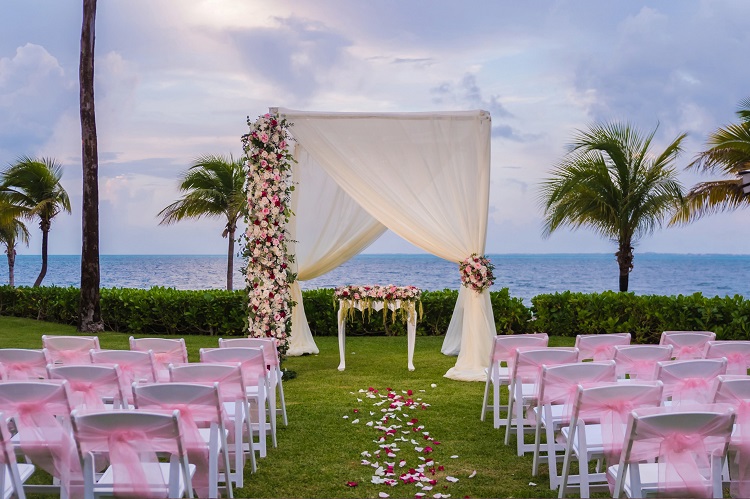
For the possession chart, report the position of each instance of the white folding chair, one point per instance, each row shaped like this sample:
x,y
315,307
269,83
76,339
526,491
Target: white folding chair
x,y
234,399
501,356
23,364
135,366
690,381
737,354
639,361
68,350
92,387
689,447
273,361
735,391
166,351
600,346
687,344
523,390
132,441
202,415
557,390
257,384
597,428
40,411
13,474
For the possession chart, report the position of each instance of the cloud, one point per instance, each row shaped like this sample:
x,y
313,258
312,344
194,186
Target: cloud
x,y
34,92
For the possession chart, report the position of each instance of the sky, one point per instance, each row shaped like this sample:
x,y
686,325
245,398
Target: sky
x,y
177,79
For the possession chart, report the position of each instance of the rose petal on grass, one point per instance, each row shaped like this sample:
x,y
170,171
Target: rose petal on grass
x,y
532,484
433,385
346,417
451,479
351,484
355,421
383,494
454,456
473,474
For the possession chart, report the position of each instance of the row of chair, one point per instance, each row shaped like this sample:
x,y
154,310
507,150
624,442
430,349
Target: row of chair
x,y
542,385
245,372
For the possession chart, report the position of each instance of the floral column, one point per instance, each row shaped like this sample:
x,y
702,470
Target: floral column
x,y
269,187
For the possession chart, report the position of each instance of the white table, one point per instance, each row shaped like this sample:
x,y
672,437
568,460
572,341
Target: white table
x,y
411,324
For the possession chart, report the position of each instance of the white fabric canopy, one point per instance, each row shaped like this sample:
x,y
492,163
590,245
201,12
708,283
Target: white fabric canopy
x,y
328,229
425,176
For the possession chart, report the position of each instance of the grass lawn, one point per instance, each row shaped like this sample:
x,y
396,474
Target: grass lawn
x,y
320,451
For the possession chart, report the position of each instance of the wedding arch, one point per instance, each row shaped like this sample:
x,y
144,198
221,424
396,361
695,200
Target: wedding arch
x,y
425,176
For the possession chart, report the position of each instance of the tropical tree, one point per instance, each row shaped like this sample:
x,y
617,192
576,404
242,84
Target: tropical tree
x,y
727,154
213,188
32,186
610,181
12,231
89,310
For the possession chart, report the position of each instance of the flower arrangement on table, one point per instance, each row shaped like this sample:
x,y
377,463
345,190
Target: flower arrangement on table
x,y
476,273
406,300
269,187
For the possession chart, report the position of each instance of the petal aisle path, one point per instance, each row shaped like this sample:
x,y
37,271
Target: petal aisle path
x,y
404,452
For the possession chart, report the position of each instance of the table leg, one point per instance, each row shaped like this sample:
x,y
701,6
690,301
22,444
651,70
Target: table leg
x,y
342,338
411,332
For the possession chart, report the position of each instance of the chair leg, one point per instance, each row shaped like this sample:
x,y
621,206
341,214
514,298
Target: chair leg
x,y
509,419
486,396
280,385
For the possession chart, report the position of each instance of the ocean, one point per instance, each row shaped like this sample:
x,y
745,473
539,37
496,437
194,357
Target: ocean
x,y
525,275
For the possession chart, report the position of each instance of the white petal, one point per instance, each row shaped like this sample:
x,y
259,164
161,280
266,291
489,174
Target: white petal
x,y
473,474
355,421
532,484
454,456
346,417
383,494
433,385
451,479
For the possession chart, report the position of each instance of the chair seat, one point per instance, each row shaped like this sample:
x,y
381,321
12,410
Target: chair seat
x,y
24,471
105,483
649,478
594,440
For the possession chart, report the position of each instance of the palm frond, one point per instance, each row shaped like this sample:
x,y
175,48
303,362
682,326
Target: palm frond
x,y
707,198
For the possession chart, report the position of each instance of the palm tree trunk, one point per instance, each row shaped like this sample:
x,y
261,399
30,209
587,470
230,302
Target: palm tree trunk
x,y
230,259
625,262
89,312
44,225
11,266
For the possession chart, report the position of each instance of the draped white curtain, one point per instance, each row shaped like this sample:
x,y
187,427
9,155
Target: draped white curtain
x,y
328,229
426,177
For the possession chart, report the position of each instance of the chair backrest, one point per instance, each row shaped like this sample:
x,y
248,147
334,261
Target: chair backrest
x,y
200,405
683,442
252,361
10,478
40,411
690,380
23,364
132,440
228,375
91,385
600,346
528,364
166,351
687,344
135,366
504,347
69,349
559,383
609,405
737,354
639,361
270,352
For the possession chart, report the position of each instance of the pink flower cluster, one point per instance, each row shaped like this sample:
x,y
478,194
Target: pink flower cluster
x,y
269,187
476,273
376,292
397,431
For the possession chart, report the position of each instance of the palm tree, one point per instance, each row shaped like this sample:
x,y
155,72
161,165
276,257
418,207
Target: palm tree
x,y
610,182
727,153
89,308
12,231
32,185
214,188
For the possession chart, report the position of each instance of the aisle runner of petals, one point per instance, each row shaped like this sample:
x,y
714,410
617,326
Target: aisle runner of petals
x,y
395,419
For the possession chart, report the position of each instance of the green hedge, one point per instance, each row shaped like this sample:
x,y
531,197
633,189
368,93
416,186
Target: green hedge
x,y
216,312
645,317
222,313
